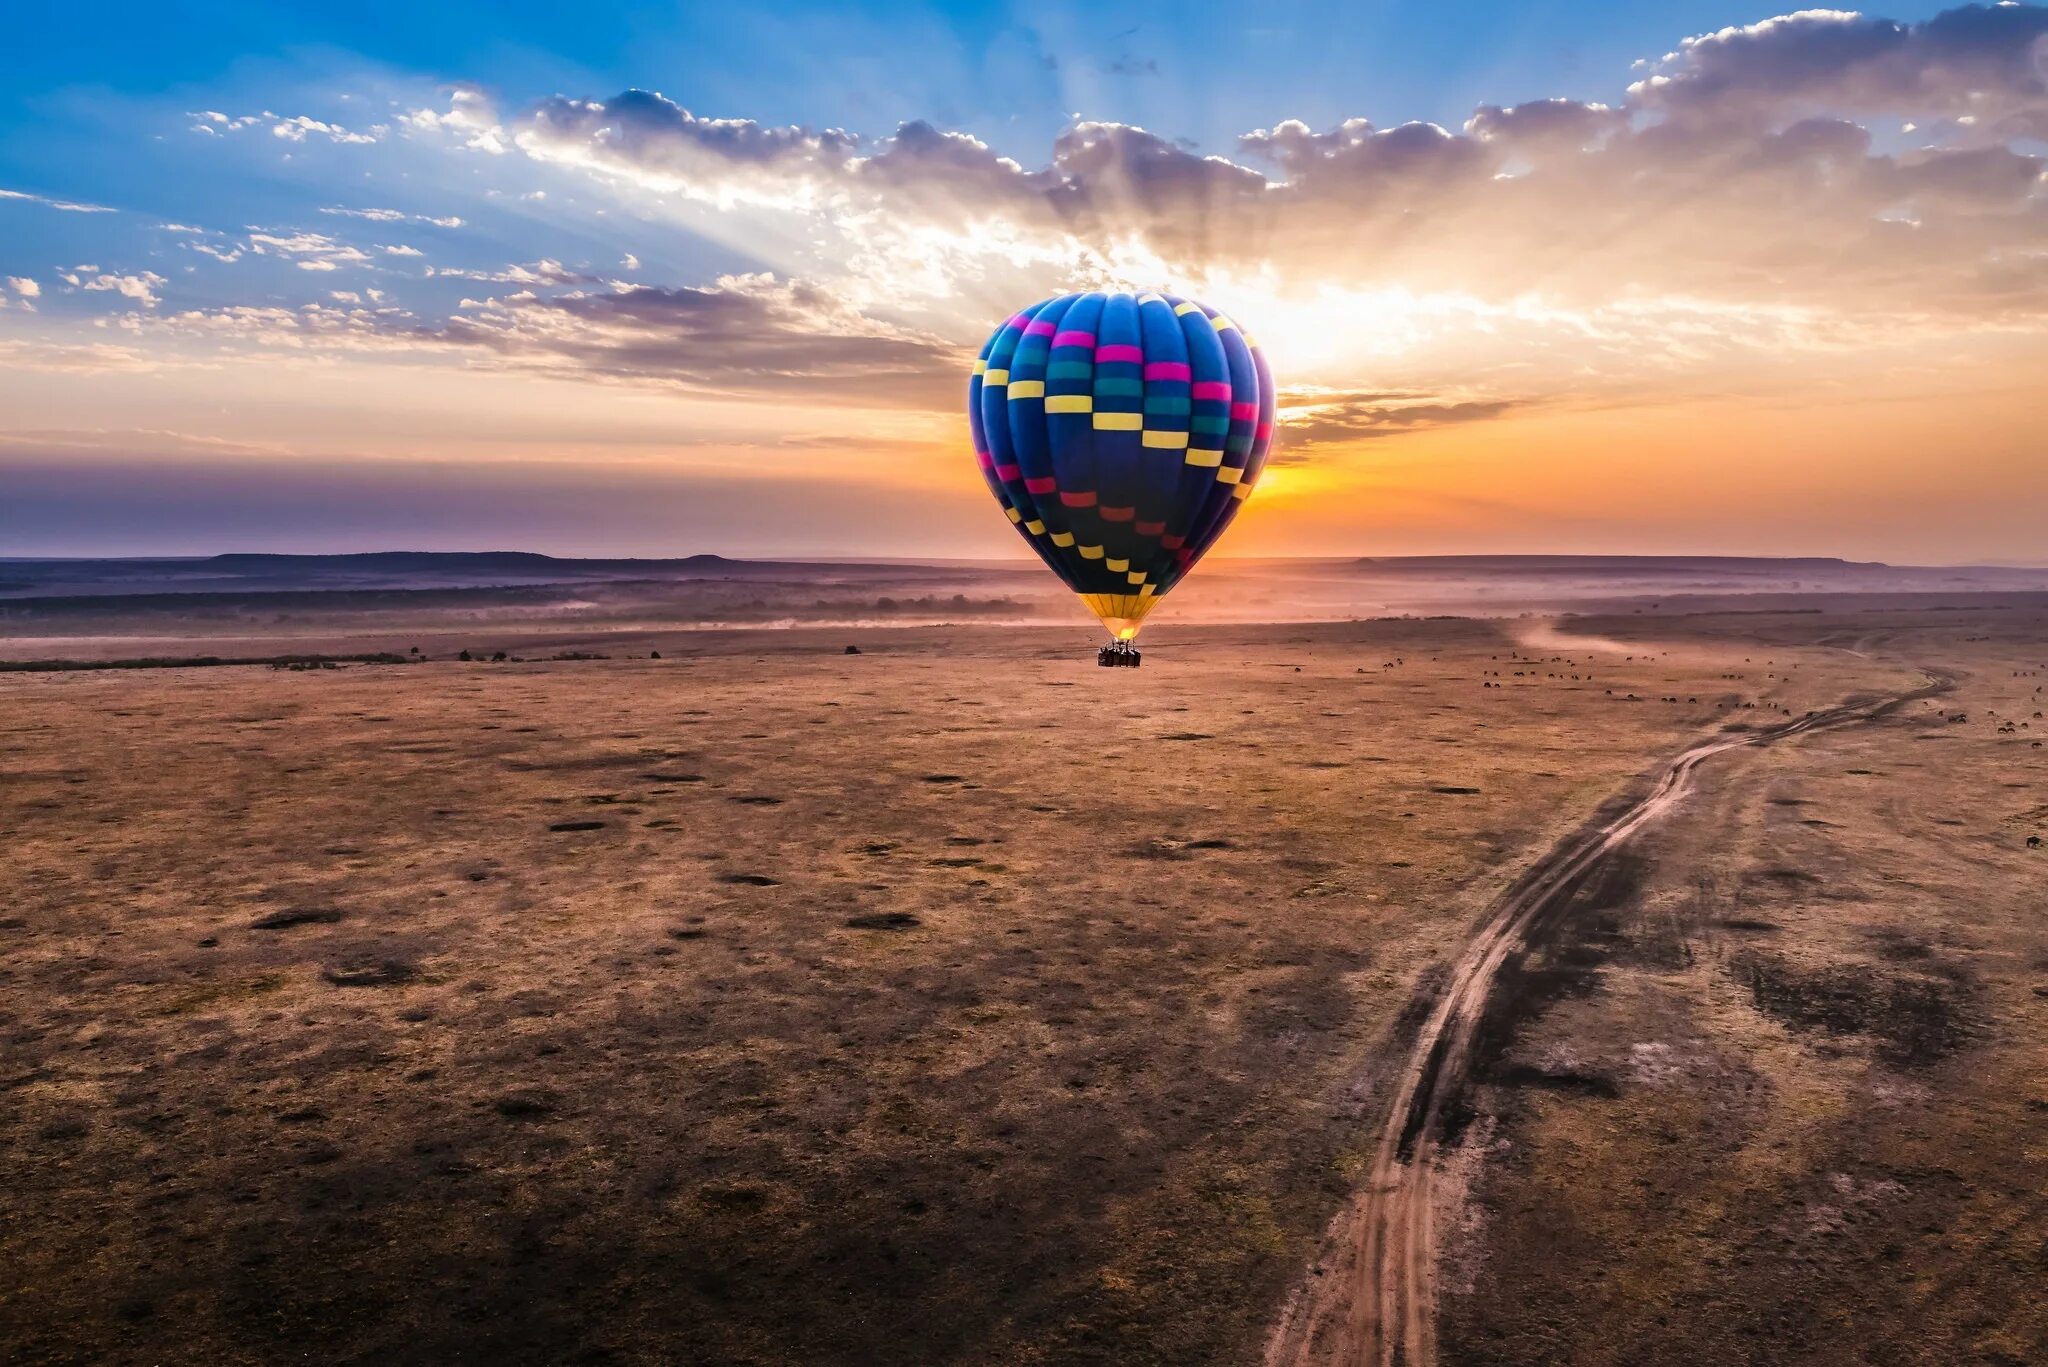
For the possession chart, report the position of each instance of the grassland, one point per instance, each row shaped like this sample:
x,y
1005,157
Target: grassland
x,y
958,1001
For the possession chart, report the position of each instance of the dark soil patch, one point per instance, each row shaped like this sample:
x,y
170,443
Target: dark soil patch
x,y
1188,735
1571,1080
1789,877
944,778
751,880
576,826
758,800
737,1196
297,916
1750,924
1560,957
525,1105
883,920
673,778
1899,946
1453,790
1915,1019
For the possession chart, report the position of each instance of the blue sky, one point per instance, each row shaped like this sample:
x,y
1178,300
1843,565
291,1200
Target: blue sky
x,y
356,239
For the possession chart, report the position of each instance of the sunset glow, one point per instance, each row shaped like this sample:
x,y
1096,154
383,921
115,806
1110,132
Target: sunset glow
x,y
1741,283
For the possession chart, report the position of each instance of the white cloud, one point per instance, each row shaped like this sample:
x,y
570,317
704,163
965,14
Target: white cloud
x,y
297,129
318,251
469,117
395,216
544,272
141,288
401,250
288,128
25,287
62,205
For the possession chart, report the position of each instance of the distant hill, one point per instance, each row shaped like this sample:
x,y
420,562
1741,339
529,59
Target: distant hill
x,y
1680,566
1420,578
1729,571
246,572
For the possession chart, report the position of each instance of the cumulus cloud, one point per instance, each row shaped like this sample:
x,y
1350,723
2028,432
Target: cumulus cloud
x,y
25,287
1748,195
1981,62
141,287
1734,171
469,117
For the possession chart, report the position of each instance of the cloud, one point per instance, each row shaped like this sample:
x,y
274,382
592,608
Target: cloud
x,y
76,358
544,272
1982,62
747,336
395,216
1732,173
125,441
312,251
1747,200
25,287
469,117
285,127
298,128
62,205
1332,418
142,287
751,335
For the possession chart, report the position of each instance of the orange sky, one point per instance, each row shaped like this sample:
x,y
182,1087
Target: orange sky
x,y
1785,293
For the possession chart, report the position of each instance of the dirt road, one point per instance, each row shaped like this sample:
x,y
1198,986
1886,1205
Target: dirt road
x,y
1371,1298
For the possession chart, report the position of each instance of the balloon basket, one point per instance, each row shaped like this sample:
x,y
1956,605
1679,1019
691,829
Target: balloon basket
x,y
1119,655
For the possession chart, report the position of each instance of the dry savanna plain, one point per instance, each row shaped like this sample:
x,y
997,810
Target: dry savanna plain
x,y
961,1002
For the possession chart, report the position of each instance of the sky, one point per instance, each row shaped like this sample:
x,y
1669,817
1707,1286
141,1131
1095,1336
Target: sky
x,y
668,279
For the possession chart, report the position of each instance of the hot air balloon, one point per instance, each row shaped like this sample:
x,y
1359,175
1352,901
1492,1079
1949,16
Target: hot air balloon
x,y
1121,433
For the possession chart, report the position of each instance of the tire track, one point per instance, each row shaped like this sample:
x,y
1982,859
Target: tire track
x,y
1371,1301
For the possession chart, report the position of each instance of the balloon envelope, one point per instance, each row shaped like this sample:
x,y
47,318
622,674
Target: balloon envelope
x,y
1121,433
